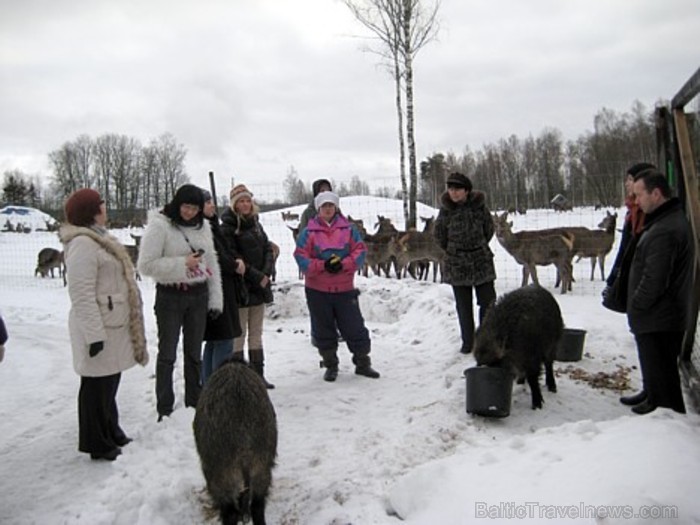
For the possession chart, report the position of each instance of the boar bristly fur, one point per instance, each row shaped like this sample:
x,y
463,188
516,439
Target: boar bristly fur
x,y
520,332
235,431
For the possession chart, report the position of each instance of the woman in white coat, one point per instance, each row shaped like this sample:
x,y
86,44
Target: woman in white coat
x,y
105,321
177,251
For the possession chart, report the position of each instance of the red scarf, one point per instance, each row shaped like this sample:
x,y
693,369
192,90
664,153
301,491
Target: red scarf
x,y
634,214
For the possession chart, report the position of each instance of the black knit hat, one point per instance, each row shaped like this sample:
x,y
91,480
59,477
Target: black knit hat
x,y
82,206
458,180
185,194
316,186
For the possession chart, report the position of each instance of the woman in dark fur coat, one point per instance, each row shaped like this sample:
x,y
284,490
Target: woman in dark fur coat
x,y
463,229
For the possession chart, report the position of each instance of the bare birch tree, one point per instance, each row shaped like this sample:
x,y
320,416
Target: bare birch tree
x,y
402,27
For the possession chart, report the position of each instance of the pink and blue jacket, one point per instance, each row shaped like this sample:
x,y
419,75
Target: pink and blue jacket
x,y
318,242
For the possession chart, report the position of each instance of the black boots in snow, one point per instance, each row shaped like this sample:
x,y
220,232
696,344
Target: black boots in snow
x,y
257,363
363,365
330,362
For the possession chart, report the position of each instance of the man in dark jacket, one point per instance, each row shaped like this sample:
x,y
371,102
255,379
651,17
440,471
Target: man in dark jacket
x,y
659,291
463,229
634,218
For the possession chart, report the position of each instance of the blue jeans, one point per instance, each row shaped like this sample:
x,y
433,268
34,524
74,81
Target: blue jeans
x,y
215,353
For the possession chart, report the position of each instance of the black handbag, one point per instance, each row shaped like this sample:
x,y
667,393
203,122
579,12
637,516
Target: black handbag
x,y
615,295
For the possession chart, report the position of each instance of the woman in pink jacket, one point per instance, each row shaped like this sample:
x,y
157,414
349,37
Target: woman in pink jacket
x,y
329,251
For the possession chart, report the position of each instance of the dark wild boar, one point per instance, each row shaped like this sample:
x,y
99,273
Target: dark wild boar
x,y
235,431
520,332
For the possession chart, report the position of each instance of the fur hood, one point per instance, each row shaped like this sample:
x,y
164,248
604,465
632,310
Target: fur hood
x,y
475,199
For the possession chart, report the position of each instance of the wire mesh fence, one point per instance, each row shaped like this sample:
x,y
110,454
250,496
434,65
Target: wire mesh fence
x,y
18,264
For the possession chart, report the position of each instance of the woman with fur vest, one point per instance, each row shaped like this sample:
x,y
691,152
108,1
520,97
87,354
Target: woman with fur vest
x,y
463,229
105,321
247,238
177,252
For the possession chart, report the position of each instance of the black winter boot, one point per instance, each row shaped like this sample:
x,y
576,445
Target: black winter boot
x,y
257,363
634,399
330,363
363,366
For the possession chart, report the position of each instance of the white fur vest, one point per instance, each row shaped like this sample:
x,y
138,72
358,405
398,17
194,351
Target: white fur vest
x,y
164,248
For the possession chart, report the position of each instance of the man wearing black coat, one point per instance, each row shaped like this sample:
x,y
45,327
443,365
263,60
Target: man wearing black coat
x,y
658,299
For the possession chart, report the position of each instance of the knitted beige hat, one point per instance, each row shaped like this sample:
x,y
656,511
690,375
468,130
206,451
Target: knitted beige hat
x,y
238,192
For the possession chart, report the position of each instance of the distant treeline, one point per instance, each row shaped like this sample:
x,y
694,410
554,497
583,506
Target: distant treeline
x,y
514,172
529,172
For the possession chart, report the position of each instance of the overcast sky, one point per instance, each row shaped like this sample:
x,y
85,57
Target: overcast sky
x,y
252,87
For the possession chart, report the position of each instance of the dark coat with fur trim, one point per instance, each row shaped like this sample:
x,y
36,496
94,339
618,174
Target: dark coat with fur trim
x,y
464,230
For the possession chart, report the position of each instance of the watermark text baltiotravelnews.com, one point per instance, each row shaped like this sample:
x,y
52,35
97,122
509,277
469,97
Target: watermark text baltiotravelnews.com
x,y
536,510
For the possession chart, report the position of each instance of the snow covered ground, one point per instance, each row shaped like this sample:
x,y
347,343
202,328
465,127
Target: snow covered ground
x,y
398,449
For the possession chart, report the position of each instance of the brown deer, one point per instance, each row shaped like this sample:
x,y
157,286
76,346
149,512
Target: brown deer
x,y
416,250
533,248
597,243
289,216
382,248
381,252
47,260
593,244
359,224
420,248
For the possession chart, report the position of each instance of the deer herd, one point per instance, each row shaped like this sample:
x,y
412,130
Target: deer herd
x,y
413,252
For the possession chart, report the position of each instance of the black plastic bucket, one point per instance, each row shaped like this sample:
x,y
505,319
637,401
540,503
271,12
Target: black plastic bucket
x,y
571,345
489,391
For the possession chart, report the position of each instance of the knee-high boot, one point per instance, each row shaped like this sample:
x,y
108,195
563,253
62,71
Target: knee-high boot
x,y
257,363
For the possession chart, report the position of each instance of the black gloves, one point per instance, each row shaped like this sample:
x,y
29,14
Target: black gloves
x,y
334,264
214,314
96,348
